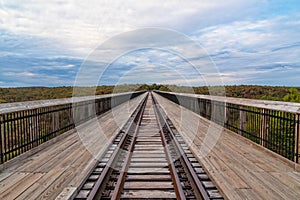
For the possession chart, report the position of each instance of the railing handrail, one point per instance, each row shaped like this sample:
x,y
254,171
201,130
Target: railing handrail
x,y
26,125
274,125
29,105
266,104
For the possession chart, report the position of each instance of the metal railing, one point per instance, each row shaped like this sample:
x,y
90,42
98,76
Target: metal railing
x,y
26,125
274,125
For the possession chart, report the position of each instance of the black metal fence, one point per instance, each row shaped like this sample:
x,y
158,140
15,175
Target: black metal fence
x,y
25,129
276,130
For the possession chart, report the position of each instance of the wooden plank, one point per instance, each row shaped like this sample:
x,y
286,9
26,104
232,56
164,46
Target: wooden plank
x,y
41,184
142,151
20,186
248,194
9,183
4,175
139,146
64,158
257,159
149,170
148,185
215,165
67,193
156,194
47,158
149,165
149,177
82,173
275,186
62,180
147,155
57,186
147,143
153,160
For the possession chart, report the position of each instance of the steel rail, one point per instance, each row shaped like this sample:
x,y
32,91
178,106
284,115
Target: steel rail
x,y
122,176
184,180
190,168
177,184
113,157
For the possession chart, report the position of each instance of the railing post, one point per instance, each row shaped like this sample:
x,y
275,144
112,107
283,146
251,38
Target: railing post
x,y
32,128
36,126
264,130
201,107
226,117
55,118
1,140
208,109
297,138
242,124
109,103
212,111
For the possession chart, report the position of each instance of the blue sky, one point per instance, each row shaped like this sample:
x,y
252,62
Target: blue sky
x,y
44,43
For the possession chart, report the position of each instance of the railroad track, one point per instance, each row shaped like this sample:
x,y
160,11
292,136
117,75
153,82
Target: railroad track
x,y
148,159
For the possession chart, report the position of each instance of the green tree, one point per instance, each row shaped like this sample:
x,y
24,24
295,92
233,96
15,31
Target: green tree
x,y
293,96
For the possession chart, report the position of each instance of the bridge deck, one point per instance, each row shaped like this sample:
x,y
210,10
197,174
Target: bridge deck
x,y
240,168
57,167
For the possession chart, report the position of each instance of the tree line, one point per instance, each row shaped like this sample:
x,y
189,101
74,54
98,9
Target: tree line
x,y
9,95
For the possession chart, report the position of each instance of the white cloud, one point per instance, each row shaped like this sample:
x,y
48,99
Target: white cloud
x,y
240,44
260,35
82,25
26,74
8,53
53,66
20,74
25,78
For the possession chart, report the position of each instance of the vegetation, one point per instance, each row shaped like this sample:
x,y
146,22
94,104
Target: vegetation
x,y
8,95
293,96
240,91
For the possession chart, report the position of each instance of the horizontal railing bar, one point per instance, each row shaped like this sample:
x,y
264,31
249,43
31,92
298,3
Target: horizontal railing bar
x,y
267,104
30,105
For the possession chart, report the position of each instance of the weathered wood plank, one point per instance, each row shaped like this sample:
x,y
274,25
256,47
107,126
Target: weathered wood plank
x,y
148,185
4,175
11,181
41,184
23,184
67,193
158,194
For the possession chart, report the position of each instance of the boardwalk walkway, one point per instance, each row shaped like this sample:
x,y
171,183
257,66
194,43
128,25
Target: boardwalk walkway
x,y
241,169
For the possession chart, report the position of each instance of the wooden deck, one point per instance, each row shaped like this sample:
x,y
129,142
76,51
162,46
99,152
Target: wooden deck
x,y
56,169
240,168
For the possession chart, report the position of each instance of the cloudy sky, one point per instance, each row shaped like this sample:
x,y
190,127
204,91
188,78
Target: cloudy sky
x,y
49,43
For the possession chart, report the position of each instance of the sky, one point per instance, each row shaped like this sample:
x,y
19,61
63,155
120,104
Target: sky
x,y
57,43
